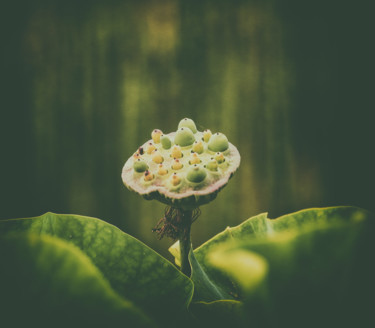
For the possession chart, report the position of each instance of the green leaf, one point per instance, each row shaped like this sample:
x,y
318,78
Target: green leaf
x,y
49,282
310,268
133,270
214,279
205,289
223,313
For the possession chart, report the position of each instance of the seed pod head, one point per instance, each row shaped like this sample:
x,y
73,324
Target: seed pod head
x,y
184,137
188,123
140,166
218,143
186,169
155,135
165,141
196,173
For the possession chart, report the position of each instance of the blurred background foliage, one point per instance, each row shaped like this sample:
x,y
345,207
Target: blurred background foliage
x,y
84,84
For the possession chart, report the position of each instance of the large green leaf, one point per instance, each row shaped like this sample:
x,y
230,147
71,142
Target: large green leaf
x,y
133,270
297,269
51,283
306,269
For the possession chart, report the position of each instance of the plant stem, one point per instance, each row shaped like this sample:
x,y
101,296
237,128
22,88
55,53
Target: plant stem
x,y
185,242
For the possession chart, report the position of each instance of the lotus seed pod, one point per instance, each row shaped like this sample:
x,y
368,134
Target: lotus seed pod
x,y
165,142
150,148
212,165
218,142
188,123
194,159
177,165
198,147
159,169
176,152
196,174
162,170
175,179
156,157
155,135
207,135
148,176
184,137
219,157
140,166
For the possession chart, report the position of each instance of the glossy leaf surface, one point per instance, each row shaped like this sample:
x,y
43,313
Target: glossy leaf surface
x,y
49,282
315,263
133,270
309,268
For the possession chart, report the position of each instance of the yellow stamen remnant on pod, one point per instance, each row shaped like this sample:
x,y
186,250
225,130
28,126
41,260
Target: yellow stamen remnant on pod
x,y
148,176
176,152
162,170
156,157
194,159
156,135
212,165
198,147
177,165
175,179
207,135
136,156
150,148
219,158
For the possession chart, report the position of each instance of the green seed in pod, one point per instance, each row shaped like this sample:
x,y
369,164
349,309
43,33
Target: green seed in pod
x,y
188,123
218,142
196,173
184,137
165,142
140,166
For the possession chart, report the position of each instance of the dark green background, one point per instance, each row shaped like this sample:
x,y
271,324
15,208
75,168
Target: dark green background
x,y
84,83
